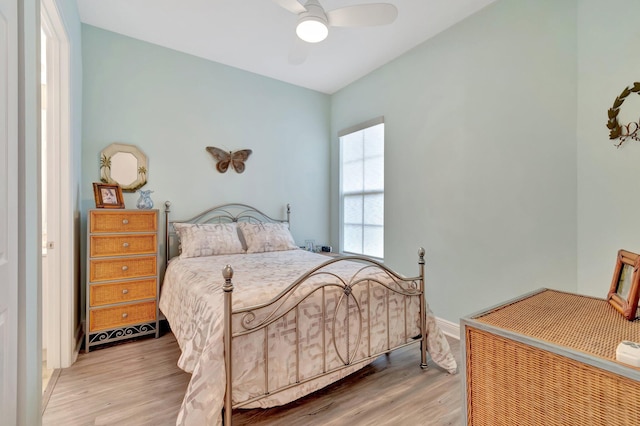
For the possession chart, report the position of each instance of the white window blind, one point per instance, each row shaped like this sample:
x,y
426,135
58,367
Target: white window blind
x,y
362,189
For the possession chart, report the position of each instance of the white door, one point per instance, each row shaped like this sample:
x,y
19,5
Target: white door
x,y
8,209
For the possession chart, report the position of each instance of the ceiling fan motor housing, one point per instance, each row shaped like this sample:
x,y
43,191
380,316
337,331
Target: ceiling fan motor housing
x,y
313,16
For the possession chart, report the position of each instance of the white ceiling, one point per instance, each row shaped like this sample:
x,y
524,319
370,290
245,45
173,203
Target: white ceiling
x,y
257,35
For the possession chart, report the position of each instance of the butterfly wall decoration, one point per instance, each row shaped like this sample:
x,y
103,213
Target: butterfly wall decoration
x,y
225,159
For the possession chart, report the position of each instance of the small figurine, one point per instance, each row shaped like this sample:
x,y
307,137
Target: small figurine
x,y
145,202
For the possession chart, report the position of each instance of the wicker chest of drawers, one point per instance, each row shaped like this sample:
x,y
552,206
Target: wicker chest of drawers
x,y
549,358
122,275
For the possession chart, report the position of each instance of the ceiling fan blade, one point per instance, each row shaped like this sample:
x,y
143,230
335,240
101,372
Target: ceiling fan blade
x,y
363,15
292,6
299,52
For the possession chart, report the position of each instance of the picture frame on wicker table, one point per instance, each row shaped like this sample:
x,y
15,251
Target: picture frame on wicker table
x,y
625,284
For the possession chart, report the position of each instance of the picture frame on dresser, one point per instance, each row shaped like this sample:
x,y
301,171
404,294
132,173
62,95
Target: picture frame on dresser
x,y
625,284
108,195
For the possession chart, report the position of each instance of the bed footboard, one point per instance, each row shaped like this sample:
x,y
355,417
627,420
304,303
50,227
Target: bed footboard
x,y
351,318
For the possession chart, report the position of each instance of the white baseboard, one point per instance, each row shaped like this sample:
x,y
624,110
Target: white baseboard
x,y
449,328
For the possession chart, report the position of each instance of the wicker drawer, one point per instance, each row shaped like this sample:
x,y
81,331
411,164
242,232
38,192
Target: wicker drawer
x,y
105,294
118,316
115,245
122,268
108,221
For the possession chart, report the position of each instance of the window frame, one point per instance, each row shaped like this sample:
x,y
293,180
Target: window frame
x,y
341,195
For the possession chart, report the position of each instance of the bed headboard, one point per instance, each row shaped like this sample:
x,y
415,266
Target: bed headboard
x,y
225,213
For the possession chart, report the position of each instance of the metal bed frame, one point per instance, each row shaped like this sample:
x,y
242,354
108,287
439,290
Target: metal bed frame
x,y
256,319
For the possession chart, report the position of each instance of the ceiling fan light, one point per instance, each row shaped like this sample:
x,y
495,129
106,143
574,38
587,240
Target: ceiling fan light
x,y
312,30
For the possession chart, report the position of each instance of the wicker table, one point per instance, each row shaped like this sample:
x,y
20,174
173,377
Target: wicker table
x,y
548,358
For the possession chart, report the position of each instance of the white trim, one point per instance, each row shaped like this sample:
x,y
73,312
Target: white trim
x,y
449,328
60,217
361,126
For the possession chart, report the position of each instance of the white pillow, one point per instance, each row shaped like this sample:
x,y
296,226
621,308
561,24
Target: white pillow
x,y
208,239
263,237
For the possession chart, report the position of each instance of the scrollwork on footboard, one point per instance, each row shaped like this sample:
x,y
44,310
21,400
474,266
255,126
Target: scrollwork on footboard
x,y
342,303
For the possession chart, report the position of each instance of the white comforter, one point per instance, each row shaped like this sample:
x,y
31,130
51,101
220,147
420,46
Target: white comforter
x,y
192,300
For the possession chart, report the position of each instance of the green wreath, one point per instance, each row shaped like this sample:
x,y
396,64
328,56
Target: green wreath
x,y
617,130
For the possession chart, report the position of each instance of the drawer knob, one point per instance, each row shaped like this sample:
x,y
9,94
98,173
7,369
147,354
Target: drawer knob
x,y
124,315
124,268
125,245
125,291
125,221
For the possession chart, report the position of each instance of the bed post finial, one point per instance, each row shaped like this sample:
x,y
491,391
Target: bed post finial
x,y
423,311
227,273
167,210
289,213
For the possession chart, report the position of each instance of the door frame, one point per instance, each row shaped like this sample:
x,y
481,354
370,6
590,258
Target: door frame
x,y
61,344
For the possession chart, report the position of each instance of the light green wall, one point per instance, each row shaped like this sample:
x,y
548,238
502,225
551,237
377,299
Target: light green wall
x,y
30,257
480,154
173,105
68,11
29,228
608,178
496,144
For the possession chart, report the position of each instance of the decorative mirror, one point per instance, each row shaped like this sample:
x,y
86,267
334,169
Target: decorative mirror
x,y
125,165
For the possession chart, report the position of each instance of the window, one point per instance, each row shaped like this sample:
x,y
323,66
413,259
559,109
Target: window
x,y
362,188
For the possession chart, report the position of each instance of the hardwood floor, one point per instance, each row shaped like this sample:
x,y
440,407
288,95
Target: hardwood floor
x,y
138,383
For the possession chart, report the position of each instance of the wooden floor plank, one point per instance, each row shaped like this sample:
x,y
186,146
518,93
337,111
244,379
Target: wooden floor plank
x,y
138,383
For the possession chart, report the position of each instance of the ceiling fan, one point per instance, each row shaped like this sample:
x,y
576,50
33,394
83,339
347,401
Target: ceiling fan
x,y
314,22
